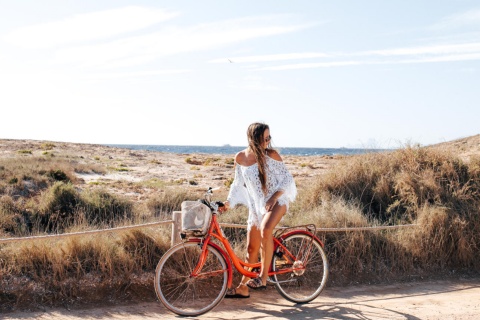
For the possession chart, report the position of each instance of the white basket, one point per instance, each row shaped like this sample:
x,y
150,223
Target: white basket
x,y
195,218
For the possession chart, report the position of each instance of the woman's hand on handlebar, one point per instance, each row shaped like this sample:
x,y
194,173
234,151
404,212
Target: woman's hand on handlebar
x,y
224,208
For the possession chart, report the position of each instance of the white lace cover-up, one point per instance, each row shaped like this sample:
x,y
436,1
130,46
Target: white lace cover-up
x,y
246,188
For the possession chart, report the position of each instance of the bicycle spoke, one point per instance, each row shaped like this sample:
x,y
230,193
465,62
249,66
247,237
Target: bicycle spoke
x,y
302,280
191,294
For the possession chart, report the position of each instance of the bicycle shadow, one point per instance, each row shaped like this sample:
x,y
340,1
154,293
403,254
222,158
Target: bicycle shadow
x,y
336,303
308,311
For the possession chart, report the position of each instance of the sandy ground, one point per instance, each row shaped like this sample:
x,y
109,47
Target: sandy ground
x,y
459,299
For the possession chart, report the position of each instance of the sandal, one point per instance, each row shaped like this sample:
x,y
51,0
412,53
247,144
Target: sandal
x,y
256,284
232,294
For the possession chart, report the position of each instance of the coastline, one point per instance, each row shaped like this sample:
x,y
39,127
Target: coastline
x,y
194,171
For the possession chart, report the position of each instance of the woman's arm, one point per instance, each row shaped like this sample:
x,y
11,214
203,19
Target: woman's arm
x,y
238,192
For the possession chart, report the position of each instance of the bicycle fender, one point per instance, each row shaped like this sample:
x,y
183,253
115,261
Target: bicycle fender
x,y
225,256
283,236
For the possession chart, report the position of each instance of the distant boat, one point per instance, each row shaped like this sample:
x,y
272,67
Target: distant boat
x,y
226,145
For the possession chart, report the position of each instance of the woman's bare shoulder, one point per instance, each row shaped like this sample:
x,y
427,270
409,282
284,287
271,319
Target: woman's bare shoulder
x,y
274,154
241,157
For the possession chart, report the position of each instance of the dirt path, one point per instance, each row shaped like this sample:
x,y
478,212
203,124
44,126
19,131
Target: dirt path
x,y
420,300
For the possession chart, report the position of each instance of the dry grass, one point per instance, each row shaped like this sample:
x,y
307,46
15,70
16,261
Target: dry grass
x,y
392,187
430,187
83,269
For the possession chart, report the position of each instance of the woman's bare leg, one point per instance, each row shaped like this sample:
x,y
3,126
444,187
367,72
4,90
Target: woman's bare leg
x,y
269,222
253,248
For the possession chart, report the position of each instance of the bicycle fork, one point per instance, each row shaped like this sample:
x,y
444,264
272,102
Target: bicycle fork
x,y
197,270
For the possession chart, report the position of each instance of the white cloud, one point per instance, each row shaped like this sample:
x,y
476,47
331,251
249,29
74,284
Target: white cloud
x,y
313,65
433,50
422,54
271,57
88,26
117,75
445,58
468,18
136,50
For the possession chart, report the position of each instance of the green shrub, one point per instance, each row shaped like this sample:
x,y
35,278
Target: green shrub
x,y
193,161
57,207
47,146
228,182
25,151
13,220
58,175
101,207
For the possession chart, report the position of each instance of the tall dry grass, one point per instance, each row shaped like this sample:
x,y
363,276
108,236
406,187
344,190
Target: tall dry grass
x,y
431,188
425,186
392,187
81,270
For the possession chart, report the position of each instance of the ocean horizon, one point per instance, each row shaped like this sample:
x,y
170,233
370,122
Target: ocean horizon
x,y
227,149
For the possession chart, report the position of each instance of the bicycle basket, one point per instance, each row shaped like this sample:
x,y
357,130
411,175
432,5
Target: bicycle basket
x,y
195,218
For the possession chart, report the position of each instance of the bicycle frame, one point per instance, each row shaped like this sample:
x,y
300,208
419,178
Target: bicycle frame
x,y
244,268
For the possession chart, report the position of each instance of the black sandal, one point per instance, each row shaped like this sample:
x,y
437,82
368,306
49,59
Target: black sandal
x,y
256,284
232,294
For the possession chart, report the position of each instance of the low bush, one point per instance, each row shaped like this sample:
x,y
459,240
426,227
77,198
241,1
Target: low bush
x,y
103,208
57,208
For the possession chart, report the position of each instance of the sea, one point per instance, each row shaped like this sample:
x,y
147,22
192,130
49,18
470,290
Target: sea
x,y
227,149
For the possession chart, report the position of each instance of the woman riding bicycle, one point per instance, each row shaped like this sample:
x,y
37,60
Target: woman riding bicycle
x,y
263,184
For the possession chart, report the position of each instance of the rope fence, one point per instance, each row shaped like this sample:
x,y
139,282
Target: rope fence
x,y
176,230
81,233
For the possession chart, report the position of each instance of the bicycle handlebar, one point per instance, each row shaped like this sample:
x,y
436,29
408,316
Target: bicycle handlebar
x,y
214,205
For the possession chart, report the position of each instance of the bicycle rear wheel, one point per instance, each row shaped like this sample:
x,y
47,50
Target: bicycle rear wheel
x,y
186,295
307,281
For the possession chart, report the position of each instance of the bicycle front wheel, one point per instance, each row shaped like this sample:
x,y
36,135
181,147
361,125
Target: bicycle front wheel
x,y
183,293
309,270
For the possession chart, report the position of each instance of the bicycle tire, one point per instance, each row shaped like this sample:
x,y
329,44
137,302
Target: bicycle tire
x,y
304,285
186,295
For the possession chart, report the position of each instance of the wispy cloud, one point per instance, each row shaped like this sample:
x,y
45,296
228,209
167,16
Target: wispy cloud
x,y
452,49
468,18
444,58
88,26
418,54
428,50
139,74
312,65
140,49
271,57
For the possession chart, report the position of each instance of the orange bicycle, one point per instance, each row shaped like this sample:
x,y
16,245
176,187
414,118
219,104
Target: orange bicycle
x,y
192,277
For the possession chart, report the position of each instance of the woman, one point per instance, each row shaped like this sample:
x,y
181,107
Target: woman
x,y
264,185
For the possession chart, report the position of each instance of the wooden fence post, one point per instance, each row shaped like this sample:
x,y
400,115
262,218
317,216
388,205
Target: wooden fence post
x,y
176,227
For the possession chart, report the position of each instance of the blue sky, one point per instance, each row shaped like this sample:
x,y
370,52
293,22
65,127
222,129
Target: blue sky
x,y
320,73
